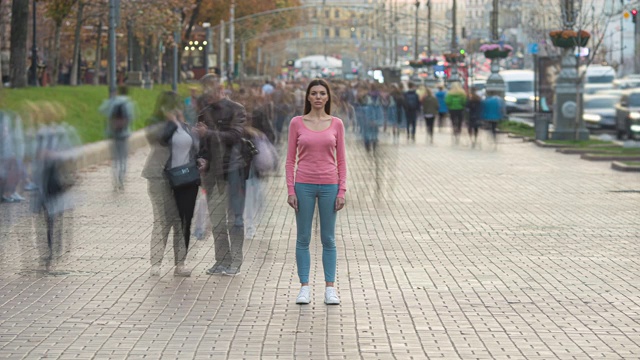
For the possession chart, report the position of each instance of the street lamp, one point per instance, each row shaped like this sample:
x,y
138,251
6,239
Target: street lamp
x,y
454,43
495,83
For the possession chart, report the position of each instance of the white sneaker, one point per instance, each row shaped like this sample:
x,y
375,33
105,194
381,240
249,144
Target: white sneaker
x,y
304,296
155,270
330,296
182,271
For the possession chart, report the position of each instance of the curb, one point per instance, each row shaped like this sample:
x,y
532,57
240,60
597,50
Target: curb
x,y
620,166
595,157
545,145
100,152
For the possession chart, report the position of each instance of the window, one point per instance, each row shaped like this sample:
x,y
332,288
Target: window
x,y
327,14
326,33
337,13
519,86
337,32
634,99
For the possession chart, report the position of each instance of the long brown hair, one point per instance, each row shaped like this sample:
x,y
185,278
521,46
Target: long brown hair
x,y
307,103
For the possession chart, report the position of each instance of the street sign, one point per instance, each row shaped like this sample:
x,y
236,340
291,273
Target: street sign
x,y
533,48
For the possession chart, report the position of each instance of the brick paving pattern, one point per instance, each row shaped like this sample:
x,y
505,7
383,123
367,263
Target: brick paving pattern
x,y
444,252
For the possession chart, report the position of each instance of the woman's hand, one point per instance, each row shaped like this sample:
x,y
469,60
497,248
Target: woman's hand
x,y
340,203
202,165
292,200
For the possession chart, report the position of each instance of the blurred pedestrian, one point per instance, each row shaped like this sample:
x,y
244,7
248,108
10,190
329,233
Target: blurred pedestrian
x,y
474,106
442,107
456,100
52,203
221,124
11,154
119,112
412,108
173,146
429,111
316,170
493,110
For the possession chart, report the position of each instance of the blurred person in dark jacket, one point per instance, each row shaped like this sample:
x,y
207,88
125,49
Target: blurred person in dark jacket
x,y
221,124
429,111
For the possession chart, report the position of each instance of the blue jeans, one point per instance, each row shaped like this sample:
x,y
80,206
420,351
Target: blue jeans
x,y
326,195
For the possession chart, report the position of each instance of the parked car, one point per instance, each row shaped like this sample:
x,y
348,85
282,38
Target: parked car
x,y
628,115
598,77
626,83
481,87
599,111
518,94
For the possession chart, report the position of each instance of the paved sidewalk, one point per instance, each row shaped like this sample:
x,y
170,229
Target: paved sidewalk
x,y
444,252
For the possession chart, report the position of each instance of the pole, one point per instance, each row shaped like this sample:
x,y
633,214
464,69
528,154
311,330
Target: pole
x,y
454,43
34,51
223,49
429,28
232,42
207,46
636,57
415,43
114,5
176,44
621,33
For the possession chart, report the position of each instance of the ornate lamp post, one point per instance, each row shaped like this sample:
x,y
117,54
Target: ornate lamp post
x,y
495,83
567,96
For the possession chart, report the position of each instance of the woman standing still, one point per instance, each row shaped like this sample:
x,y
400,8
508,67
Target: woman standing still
x,y
173,144
316,145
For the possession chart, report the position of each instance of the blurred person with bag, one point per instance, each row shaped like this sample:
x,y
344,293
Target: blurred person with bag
x,y
54,174
316,172
173,171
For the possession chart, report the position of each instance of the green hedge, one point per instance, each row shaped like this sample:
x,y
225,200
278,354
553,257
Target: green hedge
x,y
82,103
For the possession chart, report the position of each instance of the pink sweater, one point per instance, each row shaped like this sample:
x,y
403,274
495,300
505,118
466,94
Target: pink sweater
x,y
321,155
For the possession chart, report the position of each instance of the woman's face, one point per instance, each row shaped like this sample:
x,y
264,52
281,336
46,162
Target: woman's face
x,y
318,97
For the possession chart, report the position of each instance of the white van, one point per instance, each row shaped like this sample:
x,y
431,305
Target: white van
x,y
518,95
598,77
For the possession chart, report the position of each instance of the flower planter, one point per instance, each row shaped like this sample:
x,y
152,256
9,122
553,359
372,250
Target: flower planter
x,y
569,39
454,58
496,54
569,42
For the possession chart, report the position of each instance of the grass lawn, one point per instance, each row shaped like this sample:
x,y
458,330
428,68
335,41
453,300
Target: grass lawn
x,y
631,163
516,128
82,102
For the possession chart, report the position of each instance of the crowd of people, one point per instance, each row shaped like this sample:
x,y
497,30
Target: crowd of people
x,y
219,143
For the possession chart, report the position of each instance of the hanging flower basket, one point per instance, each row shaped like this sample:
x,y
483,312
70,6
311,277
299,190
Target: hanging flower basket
x,y
430,61
423,63
567,39
495,51
453,57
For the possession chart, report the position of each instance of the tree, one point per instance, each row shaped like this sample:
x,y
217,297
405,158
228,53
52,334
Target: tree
x,y
76,45
57,10
19,26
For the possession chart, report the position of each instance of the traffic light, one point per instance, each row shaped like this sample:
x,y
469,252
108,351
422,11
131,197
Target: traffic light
x,y
634,14
462,52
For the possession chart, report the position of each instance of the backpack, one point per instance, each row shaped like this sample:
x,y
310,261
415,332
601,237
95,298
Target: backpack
x,y
119,118
412,101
